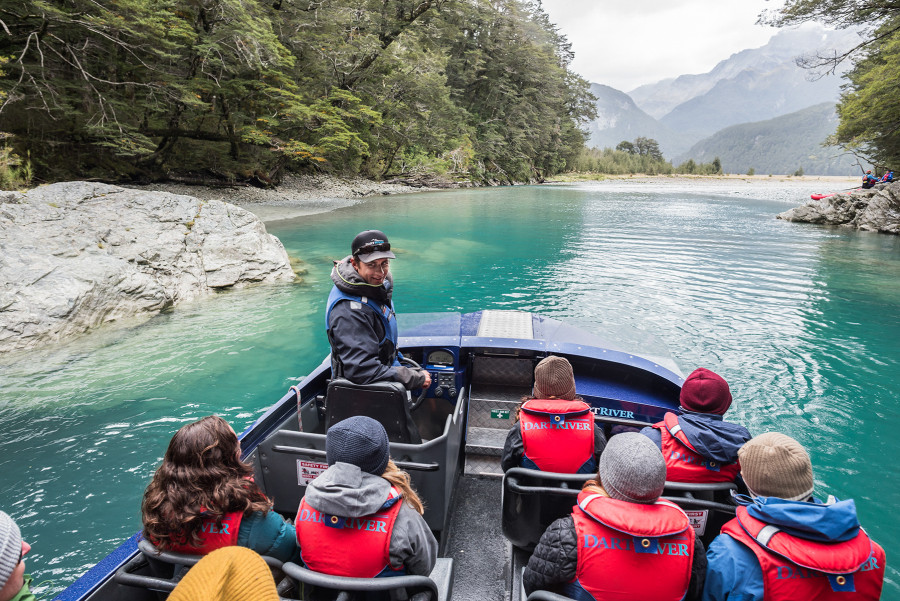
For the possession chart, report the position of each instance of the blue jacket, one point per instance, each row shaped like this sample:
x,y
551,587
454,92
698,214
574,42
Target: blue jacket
x,y
268,534
363,338
733,571
709,434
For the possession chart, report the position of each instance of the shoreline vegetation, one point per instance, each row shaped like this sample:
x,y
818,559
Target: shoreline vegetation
x,y
302,195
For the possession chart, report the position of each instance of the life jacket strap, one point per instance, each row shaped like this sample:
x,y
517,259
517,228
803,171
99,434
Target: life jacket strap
x,y
765,535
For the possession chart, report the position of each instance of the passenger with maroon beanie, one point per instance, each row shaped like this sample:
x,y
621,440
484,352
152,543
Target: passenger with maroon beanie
x,y
697,443
556,430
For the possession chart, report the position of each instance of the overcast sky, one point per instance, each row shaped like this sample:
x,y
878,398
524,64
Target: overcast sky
x,y
628,43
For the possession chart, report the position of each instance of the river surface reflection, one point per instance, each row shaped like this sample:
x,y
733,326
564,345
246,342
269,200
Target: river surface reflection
x,y
801,320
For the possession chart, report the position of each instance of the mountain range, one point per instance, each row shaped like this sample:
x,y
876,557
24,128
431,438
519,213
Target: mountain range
x,y
695,113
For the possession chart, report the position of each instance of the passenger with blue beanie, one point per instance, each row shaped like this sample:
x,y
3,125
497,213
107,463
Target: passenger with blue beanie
x,y
361,517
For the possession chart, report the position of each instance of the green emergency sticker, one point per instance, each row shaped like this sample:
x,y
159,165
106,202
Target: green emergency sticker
x,y
499,413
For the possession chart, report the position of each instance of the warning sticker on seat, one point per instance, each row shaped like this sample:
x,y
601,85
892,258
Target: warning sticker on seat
x,y
698,519
307,471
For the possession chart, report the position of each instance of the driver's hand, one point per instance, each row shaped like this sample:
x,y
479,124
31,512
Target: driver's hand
x,y
427,379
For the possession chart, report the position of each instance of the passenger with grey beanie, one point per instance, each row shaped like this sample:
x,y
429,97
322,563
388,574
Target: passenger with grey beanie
x,y
630,477
14,582
361,480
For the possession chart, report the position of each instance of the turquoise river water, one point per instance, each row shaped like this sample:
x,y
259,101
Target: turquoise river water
x,y
803,321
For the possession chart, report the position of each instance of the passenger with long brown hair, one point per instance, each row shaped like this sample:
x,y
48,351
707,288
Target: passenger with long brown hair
x,y
361,517
202,497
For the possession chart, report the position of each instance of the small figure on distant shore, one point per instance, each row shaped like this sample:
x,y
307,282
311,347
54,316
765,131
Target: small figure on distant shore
x,y
869,180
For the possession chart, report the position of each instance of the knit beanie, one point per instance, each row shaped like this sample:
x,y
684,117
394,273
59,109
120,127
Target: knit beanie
x,y
553,377
632,468
10,547
776,465
360,441
227,574
705,391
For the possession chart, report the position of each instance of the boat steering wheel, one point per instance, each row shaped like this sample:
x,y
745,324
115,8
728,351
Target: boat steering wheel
x,y
407,362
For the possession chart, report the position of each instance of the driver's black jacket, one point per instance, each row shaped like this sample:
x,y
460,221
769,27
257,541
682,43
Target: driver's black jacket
x,y
356,332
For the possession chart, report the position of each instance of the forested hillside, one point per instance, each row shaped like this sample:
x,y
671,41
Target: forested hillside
x,y
785,144
249,89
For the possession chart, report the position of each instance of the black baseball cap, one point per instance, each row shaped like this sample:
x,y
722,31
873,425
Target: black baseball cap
x,y
371,245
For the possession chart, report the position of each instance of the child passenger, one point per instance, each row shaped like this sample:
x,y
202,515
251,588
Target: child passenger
x,y
361,517
555,432
202,497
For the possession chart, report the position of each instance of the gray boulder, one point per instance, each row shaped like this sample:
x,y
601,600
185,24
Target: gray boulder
x,y
875,210
76,255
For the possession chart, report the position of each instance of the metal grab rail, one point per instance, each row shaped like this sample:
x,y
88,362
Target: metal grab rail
x,y
419,588
547,596
404,465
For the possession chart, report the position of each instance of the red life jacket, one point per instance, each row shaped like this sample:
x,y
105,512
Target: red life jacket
x,y
630,550
212,536
558,435
684,463
340,546
795,568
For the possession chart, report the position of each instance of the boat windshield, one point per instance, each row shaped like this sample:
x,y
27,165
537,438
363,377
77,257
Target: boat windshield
x,y
617,337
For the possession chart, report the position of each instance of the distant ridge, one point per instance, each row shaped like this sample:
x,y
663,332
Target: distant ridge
x,y
619,118
751,86
778,146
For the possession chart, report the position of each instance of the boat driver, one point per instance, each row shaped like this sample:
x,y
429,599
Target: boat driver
x,y
360,320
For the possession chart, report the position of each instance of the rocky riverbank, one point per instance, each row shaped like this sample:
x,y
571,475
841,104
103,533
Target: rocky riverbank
x,y
76,255
875,210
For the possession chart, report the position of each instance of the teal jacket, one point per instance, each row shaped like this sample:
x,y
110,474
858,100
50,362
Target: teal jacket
x,y
268,534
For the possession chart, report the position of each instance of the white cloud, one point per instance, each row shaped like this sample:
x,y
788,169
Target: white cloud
x,y
628,43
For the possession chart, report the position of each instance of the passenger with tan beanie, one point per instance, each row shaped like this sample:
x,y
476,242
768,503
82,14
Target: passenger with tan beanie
x,y
555,431
784,543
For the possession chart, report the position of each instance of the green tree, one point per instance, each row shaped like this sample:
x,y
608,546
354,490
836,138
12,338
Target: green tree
x,y
626,146
648,147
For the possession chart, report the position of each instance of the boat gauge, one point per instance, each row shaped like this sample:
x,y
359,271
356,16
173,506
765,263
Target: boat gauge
x,y
441,358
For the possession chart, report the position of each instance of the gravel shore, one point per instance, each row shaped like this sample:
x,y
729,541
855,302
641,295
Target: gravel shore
x,y
297,195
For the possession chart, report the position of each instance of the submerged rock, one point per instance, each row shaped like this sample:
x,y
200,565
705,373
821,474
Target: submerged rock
x,y
876,210
76,255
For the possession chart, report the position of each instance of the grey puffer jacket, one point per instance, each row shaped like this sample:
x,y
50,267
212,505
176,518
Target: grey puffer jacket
x,y
356,332
346,491
555,560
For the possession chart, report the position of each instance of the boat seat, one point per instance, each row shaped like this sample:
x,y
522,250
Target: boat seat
x,y
289,460
167,568
434,587
708,506
385,402
532,500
